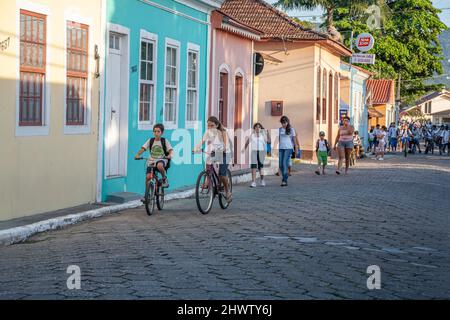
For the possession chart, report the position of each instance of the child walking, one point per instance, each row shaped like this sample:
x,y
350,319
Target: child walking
x,y
258,140
322,150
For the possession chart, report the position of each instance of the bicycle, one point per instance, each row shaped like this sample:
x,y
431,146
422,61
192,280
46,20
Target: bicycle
x,y
405,143
154,192
208,186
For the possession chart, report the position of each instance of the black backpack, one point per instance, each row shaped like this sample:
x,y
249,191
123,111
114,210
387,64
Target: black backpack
x,y
164,146
326,145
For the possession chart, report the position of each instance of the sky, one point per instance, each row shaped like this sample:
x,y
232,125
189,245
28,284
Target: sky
x,y
310,15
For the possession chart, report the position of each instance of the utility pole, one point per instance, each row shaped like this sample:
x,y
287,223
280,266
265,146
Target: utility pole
x,y
399,98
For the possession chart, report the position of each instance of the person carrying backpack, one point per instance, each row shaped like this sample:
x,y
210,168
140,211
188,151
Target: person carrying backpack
x,y
160,153
322,151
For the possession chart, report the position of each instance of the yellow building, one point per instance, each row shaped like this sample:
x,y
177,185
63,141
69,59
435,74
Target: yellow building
x,y
382,109
49,105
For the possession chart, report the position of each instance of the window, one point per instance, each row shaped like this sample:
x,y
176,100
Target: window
x,y
223,98
147,81
429,107
171,85
336,98
114,41
192,85
77,73
324,96
330,96
318,86
32,68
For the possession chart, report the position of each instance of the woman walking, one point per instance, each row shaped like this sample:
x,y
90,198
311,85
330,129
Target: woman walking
x,y
258,140
344,140
287,142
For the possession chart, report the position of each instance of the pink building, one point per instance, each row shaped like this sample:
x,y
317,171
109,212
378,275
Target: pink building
x,y
231,80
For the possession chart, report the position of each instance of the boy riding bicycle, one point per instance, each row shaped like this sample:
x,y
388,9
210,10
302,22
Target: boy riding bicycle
x,y
160,154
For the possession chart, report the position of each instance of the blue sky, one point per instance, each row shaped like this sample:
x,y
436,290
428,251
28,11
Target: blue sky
x,y
309,15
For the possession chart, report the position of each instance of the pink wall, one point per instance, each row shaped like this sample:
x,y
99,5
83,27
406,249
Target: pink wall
x,y
233,54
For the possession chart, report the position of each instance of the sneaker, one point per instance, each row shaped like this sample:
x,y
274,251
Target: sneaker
x,y
253,185
284,184
381,159
263,183
165,183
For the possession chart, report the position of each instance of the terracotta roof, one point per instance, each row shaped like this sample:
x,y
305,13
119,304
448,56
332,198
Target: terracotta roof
x,y
382,91
272,22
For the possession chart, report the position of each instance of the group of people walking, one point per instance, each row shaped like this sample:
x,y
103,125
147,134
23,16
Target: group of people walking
x,y
382,139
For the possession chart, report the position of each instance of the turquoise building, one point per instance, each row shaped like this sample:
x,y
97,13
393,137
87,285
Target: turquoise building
x,y
356,99
156,70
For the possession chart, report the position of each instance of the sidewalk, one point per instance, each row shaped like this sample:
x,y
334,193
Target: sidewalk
x,y
20,229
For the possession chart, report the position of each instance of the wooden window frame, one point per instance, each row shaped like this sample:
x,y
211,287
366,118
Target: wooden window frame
x,y
324,95
151,82
173,44
223,97
193,49
33,71
336,97
73,75
318,93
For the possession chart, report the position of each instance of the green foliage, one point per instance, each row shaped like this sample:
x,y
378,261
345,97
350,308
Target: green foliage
x,y
407,43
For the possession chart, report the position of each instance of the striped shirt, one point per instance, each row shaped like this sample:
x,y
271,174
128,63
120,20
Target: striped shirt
x,y
345,135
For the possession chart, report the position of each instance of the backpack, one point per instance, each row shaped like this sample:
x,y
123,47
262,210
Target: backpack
x,y
326,145
164,146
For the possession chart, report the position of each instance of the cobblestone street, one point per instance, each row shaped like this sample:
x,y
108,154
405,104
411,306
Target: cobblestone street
x,y
311,240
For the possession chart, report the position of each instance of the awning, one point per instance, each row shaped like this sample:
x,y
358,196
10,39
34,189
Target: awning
x,y
375,113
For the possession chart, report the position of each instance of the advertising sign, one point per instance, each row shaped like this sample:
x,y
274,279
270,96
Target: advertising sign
x,y
363,58
365,42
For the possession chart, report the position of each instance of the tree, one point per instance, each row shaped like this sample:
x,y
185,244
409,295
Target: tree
x,y
329,6
407,43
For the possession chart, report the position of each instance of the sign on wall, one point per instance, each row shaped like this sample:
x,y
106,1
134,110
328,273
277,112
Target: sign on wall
x,y
363,58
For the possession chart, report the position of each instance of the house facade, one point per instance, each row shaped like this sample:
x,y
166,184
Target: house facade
x,y
156,71
49,114
434,107
231,80
382,100
301,74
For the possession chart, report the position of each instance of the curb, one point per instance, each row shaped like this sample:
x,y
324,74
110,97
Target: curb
x,y
21,234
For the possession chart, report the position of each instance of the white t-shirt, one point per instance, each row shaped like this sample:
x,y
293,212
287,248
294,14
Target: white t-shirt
x,y
157,151
215,140
286,140
381,135
258,141
445,137
322,145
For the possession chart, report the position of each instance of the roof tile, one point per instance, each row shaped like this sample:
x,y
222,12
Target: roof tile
x,y
383,91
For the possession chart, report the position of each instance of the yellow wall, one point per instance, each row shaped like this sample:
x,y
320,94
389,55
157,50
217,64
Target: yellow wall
x,y
294,82
49,172
381,120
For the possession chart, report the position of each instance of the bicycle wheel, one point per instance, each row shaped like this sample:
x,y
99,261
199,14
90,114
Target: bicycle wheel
x,y
160,197
204,193
150,198
222,196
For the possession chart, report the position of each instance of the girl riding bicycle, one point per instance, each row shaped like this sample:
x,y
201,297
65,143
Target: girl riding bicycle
x,y
219,150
